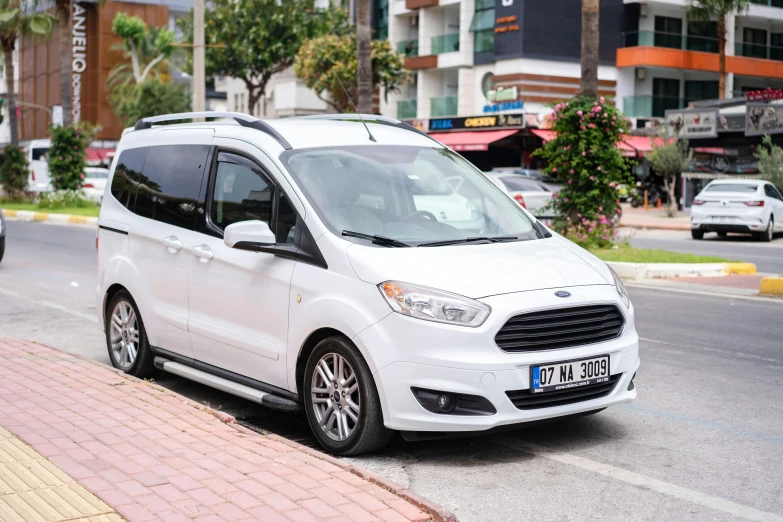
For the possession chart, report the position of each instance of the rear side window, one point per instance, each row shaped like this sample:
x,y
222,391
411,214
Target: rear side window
x,y
126,176
519,184
732,187
170,182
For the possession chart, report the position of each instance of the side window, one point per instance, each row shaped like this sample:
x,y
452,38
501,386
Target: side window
x,y
777,193
170,182
286,220
126,176
240,194
770,192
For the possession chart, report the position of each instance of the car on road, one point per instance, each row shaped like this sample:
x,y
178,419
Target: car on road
x,y
94,183
738,205
2,235
36,151
534,195
528,173
290,262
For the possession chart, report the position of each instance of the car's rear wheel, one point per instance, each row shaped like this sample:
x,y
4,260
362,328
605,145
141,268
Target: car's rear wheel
x,y
2,248
126,338
769,233
342,401
697,234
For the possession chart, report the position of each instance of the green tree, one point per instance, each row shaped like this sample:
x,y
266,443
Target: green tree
x,y
669,158
152,97
770,159
19,19
147,49
66,157
261,37
584,156
323,60
14,172
705,10
590,38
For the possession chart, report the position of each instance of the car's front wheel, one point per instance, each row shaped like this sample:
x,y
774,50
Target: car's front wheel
x,y
2,248
342,401
126,338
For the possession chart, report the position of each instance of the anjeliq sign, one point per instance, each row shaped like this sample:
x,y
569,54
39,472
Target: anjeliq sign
x,y
485,122
78,59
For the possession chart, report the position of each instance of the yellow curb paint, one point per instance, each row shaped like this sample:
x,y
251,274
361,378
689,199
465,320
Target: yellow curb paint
x,y
32,488
771,286
741,268
77,219
40,216
9,213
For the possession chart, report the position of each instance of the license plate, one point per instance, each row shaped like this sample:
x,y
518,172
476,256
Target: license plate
x,y
723,219
570,374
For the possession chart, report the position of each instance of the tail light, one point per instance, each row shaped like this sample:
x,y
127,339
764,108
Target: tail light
x,y
698,202
754,203
32,175
88,185
519,199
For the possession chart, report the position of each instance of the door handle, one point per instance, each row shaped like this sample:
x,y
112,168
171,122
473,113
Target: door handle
x,y
203,252
173,244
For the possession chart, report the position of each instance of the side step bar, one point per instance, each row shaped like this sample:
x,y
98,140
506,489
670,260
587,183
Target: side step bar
x,y
219,383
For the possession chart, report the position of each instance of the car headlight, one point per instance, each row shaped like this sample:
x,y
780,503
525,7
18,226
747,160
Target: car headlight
x,y
621,290
433,305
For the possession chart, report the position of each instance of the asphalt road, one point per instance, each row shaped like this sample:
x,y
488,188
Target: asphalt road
x,y
703,441
768,257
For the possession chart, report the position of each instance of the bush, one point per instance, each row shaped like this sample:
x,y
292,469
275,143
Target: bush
x,y
150,98
14,173
63,199
600,233
584,156
66,157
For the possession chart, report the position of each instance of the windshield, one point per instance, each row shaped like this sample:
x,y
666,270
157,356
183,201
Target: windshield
x,y
732,187
412,195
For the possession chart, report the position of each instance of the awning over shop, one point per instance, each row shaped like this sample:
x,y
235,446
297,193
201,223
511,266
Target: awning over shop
x,y
469,141
545,135
643,144
95,157
630,146
718,175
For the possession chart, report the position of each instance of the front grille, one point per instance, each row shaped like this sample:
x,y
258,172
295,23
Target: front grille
x,y
524,400
560,328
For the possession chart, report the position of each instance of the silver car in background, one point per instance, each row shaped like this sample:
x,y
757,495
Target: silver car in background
x,y
532,194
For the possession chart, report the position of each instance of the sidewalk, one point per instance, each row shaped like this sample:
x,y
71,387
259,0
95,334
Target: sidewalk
x,y
654,218
153,455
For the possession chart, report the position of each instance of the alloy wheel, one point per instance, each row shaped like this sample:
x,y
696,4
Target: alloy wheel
x,y
124,335
334,390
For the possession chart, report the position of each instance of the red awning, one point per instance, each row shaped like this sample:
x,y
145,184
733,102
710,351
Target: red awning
x,y
630,146
546,135
474,140
642,144
95,157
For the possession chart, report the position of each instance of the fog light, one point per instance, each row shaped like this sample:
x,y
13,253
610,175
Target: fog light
x,y
631,385
445,403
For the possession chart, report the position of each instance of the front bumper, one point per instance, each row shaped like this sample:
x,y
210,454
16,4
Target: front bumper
x,y
467,361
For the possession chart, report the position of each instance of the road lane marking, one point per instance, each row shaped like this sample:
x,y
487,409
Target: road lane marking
x,y
708,294
49,304
635,479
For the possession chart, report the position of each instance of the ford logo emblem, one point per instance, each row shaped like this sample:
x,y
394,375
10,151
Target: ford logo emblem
x,y
562,293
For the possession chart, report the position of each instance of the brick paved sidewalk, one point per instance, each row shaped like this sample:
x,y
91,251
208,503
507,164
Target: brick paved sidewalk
x,y
154,455
654,218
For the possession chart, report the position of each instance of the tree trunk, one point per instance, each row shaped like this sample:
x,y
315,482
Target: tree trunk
x,y
670,183
364,63
590,32
721,56
65,63
10,93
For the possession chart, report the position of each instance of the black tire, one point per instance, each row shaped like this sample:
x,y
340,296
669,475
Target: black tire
x,y
723,234
768,234
142,366
369,434
2,247
697,234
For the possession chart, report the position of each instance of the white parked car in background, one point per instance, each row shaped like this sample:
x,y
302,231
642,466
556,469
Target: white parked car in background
x,y
38,180
301,264
94,183
738,205
531,194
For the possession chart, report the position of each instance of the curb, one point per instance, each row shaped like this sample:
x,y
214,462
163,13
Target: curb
x,y
656,226
633,271
49,217
771,286
437,512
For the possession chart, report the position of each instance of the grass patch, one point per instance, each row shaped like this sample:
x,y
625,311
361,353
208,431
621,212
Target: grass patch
x,y
629,254
91,211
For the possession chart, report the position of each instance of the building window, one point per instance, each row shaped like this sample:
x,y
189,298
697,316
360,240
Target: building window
x,y
668,32
703,36
776,46
381,19
483,26
700,90
754,42
666,96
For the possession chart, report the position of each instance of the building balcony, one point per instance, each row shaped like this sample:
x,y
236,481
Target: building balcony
x,y
408,47
651,106
406,109
765,52
446,43
680,41
442,107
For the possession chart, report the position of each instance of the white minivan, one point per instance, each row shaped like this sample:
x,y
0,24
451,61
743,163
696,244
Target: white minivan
x,y
290,262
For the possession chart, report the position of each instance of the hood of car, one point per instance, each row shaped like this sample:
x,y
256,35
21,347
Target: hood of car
x,y
481,270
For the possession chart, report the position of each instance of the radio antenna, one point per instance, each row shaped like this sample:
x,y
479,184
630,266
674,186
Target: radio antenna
x,y
372,138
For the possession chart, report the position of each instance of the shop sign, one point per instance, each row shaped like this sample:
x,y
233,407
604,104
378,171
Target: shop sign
x,y
501,99
764,95
693,123
478,122
78,58
763,118
508,36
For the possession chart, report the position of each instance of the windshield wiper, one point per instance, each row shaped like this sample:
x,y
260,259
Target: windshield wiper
x,y
376,240
497,239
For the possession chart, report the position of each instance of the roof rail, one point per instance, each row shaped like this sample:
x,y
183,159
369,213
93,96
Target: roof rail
x,y
382,120
244,120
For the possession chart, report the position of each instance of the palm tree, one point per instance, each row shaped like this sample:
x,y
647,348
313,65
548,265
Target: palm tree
x,y
364,62
588,86
15,23
704,10
63,10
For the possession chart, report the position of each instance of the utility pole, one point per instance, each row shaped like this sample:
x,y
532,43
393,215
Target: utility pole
x,y
364,59
199,94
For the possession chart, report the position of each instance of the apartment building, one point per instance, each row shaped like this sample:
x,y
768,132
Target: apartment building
x,y
668,61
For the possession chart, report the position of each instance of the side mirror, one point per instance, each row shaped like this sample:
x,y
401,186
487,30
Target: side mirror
x,y
248,234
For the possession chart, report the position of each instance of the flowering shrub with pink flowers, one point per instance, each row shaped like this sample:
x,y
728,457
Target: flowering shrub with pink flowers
x,y
585,158
66,156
